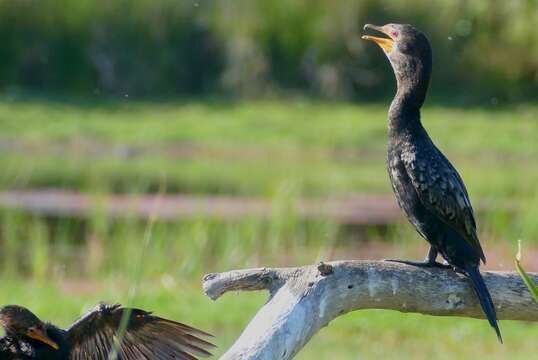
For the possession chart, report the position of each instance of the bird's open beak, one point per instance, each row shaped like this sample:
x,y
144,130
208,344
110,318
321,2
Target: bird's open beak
x,y
384,43
40,336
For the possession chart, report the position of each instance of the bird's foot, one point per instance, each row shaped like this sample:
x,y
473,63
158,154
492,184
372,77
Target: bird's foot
x,y
422,264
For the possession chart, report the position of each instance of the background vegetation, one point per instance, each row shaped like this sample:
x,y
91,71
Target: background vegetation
x,y
279,150
278,100
486,51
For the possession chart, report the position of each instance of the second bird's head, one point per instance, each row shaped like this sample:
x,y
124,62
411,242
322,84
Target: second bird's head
x,y
408,51
21,323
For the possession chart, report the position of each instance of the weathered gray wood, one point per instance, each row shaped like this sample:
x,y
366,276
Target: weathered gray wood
x,y
305,299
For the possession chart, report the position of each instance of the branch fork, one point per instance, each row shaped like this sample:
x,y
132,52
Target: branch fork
x,y
305,299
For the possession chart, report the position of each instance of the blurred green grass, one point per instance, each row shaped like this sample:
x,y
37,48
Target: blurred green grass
x,y
258,148
252,147
282,150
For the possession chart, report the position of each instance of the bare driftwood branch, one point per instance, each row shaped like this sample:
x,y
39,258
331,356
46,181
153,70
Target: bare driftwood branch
x,y
305,299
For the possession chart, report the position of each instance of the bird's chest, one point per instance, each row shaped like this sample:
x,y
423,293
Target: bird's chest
x,y
47,353
401,182
397,173
399,162
17,350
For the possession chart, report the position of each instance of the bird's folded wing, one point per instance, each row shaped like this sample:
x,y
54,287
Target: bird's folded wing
x,y
145,337
441,190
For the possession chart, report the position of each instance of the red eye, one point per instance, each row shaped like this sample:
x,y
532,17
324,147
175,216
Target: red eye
x,y
394,33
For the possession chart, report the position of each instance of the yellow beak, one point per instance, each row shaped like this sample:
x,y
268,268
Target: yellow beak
x,y
40,336
384,43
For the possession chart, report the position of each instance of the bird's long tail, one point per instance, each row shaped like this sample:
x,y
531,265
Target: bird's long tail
x,y
482,292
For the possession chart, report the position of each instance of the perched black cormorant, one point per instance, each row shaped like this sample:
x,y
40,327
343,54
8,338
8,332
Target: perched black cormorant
x,y
428,188
92,337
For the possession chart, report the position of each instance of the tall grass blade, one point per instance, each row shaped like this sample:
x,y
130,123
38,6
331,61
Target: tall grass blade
x,y
530,284
139,269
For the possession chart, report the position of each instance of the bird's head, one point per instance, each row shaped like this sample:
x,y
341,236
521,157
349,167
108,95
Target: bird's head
x,y
408,51
20,322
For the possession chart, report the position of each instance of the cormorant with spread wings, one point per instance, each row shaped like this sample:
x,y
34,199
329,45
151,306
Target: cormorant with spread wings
x,y
93,336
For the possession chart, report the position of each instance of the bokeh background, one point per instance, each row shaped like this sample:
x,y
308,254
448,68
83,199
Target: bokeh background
x,y
261,128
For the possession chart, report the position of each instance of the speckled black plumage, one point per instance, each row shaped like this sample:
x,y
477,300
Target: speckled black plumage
x,y
92,337
427,187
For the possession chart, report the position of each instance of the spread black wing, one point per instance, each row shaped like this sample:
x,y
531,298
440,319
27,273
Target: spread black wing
x,y
146,336
442,191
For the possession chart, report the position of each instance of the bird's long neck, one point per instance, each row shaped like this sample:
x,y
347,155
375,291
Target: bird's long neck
x,y
413,78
